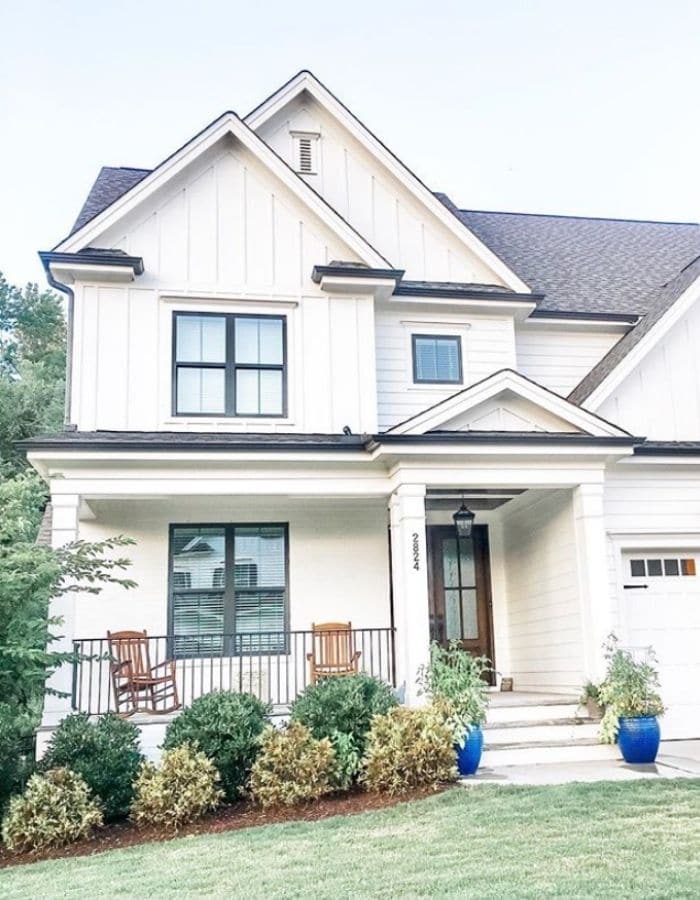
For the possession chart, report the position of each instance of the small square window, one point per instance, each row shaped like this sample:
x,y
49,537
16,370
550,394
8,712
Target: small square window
x,y
688,567
637,568
671,567
654,567
437,359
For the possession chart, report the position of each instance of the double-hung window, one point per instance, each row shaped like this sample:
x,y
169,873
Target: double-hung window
x,y
437,359
228,589
229,365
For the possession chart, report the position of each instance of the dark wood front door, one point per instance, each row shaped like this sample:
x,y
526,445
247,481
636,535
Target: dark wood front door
x,y
460,589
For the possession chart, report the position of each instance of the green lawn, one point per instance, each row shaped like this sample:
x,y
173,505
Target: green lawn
x,y
633,839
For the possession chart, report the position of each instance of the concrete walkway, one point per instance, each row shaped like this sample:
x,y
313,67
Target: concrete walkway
x,y
676,759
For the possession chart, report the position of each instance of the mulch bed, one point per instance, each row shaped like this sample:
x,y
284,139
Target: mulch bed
x,y
228,818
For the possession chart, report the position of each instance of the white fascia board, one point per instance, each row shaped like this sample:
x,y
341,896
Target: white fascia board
x,y
306,81
498,450
627,365
519,310
582,324
228,123
504,380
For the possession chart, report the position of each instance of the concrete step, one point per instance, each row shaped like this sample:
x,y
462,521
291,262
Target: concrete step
x,y
552,732
541,712
552,752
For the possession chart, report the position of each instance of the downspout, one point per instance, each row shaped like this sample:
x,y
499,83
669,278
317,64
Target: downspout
x,y
68,291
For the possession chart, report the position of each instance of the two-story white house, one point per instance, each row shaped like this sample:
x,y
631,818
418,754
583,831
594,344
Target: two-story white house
x,y
291,363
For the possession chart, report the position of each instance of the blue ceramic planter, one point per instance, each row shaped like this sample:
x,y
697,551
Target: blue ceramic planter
x,y
639,739
469,756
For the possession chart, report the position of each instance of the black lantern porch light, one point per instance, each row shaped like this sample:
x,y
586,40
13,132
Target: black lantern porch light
x,y
464,520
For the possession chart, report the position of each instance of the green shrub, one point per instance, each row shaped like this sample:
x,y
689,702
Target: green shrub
x,y
16,756
183,788
348,760
406,749
630,688
55,809
226,727
344,704
106,753
293,767
455,683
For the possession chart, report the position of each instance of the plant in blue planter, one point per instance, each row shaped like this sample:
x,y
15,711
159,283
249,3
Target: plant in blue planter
x,y
455,683
630,696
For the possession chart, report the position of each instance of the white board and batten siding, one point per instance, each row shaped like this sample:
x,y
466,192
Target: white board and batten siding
x,y
559,358
543,606
660,398
372,199
225,237
487,345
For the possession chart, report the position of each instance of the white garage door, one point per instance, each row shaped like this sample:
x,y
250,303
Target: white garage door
x,y
661,609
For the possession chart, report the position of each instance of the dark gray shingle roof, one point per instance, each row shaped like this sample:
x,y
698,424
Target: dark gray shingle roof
x,y
110,185
665,298
587,265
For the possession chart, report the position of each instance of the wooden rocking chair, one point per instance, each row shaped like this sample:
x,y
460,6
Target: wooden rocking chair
x,y
133,676
333,651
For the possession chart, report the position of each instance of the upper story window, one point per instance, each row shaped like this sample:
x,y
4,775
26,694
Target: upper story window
x,y
229,365
437,359
305,152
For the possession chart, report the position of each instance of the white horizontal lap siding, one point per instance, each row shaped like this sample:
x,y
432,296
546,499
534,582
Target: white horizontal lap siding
x,y
487,346
544,619
660,398
559,359
372,199
338,560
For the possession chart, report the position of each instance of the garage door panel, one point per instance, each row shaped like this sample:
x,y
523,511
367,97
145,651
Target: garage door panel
x,y
662,610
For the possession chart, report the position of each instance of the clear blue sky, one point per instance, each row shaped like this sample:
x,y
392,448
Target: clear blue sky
x,y
540,105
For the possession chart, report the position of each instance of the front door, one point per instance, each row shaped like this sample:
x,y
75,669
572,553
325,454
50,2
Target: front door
x,y
460,589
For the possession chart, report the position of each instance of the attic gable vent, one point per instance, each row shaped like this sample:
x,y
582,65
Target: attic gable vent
x,y
305,146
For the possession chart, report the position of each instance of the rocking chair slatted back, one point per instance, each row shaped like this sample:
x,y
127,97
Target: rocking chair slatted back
x,y
333,650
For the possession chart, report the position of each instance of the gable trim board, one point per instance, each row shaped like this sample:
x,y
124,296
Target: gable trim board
x,y
228,123
307,81
675,299
430,420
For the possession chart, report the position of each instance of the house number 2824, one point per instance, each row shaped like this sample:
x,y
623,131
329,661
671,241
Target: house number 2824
x,y
416,551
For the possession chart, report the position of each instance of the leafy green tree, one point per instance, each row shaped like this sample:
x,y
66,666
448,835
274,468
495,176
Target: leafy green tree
x,y
32,367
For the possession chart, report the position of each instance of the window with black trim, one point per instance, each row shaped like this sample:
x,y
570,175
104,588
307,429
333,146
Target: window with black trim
x,y
228,589
437,359
229,365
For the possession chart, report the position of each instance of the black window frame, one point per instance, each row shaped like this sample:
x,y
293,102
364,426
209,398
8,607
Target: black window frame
x,y
230,366
229,626
437,337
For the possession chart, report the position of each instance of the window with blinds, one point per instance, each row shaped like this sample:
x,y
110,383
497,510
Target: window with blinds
x,y
228,589
437,359
229,365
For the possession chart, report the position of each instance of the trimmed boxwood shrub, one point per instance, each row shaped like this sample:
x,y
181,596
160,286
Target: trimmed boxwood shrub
x,y
293,767
226,727
407,749
55,809
345,705
183,788
106,753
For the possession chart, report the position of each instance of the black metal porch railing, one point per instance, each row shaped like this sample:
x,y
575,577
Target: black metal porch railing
x,y
271,665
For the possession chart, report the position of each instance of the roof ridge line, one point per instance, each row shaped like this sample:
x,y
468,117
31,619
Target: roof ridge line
x,y
504,212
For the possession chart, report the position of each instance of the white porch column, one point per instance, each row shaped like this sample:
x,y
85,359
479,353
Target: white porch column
x,y
64,529
594,584
409,577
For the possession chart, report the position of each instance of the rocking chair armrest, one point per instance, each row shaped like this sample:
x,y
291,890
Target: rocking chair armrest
x,y
167,664
309,657
356,655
